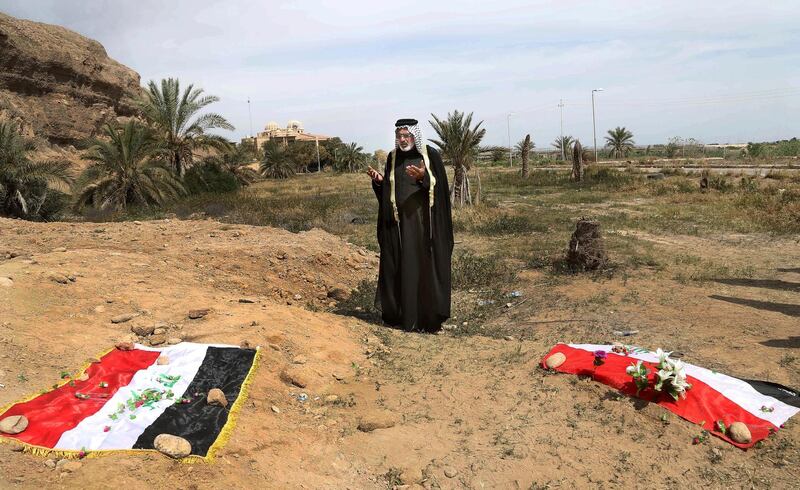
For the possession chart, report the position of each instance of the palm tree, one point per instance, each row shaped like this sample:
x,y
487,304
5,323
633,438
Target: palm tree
x,y
349,158
276,163
235,160
564,145
619,141
25,184
458,142
524,147
172,116
125,171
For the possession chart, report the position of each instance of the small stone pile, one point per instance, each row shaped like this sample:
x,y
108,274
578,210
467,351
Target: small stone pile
x,y
157,334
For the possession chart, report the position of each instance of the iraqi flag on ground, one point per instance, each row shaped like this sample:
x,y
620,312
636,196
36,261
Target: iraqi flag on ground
x,y
714,399
128,397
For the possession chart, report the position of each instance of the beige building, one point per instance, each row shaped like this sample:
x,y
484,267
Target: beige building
x,y
292,132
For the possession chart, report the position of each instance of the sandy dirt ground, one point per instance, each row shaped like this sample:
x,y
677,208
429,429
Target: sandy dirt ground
x,y
458,411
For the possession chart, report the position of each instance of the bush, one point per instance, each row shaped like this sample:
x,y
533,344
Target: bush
x,y
719,182
209,178
509,224
608,178
470,271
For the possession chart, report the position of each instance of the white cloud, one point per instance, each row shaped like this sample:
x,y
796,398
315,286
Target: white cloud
x,y
351,68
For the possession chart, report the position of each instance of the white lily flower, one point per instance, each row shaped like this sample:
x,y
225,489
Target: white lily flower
x,y
663,358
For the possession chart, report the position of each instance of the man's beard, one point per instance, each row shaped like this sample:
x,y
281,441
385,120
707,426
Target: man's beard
x,y
406,146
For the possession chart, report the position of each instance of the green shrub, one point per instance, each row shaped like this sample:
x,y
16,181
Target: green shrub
x,y
719,182
509,224
470,270
209,178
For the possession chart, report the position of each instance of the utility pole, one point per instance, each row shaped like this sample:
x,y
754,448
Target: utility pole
x,y
510,153
561,107
251,117
594,125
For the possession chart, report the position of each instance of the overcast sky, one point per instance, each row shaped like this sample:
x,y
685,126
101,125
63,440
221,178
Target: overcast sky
x,y
718,71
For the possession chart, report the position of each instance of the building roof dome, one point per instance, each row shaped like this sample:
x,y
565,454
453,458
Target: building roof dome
x,y
294,124
271,126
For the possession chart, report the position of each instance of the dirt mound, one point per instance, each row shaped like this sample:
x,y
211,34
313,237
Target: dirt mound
x,y
60,86
65,282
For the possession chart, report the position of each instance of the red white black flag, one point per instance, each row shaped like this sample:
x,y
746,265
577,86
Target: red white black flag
x,y
128,397
715,400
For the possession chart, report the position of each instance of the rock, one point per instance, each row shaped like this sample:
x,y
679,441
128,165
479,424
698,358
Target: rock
x,y
60,249
196,314
376,420
142,330
59,278
174,340
276,409
296,377
450,472
247,300
99,309
61,462
162,360
299,360
555,360
217,398
13,424
508,337
50,463
72,278
125,345
71,466
298,297
411,476
339,294
61,85
159,331
173,446
739,432
125,317
157,339
6,282
338,376
331,399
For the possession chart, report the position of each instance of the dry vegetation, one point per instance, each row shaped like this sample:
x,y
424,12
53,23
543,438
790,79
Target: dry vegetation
x,y
712,273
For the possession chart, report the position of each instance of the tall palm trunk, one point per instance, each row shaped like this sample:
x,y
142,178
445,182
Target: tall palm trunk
x,y
577,162
176,162
459,185
526,148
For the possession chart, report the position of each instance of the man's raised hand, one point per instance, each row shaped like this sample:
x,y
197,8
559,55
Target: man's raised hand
x,y
374,175
416,173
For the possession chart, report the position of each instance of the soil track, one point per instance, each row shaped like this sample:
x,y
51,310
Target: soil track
x,y
467,412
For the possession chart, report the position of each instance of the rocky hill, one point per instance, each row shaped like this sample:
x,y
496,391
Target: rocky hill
x,y
59,86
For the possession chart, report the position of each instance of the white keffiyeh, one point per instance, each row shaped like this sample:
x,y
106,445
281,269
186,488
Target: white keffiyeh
x,y
422,148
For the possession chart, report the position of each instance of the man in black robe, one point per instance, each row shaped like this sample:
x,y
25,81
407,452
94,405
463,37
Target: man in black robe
x,y
415,233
